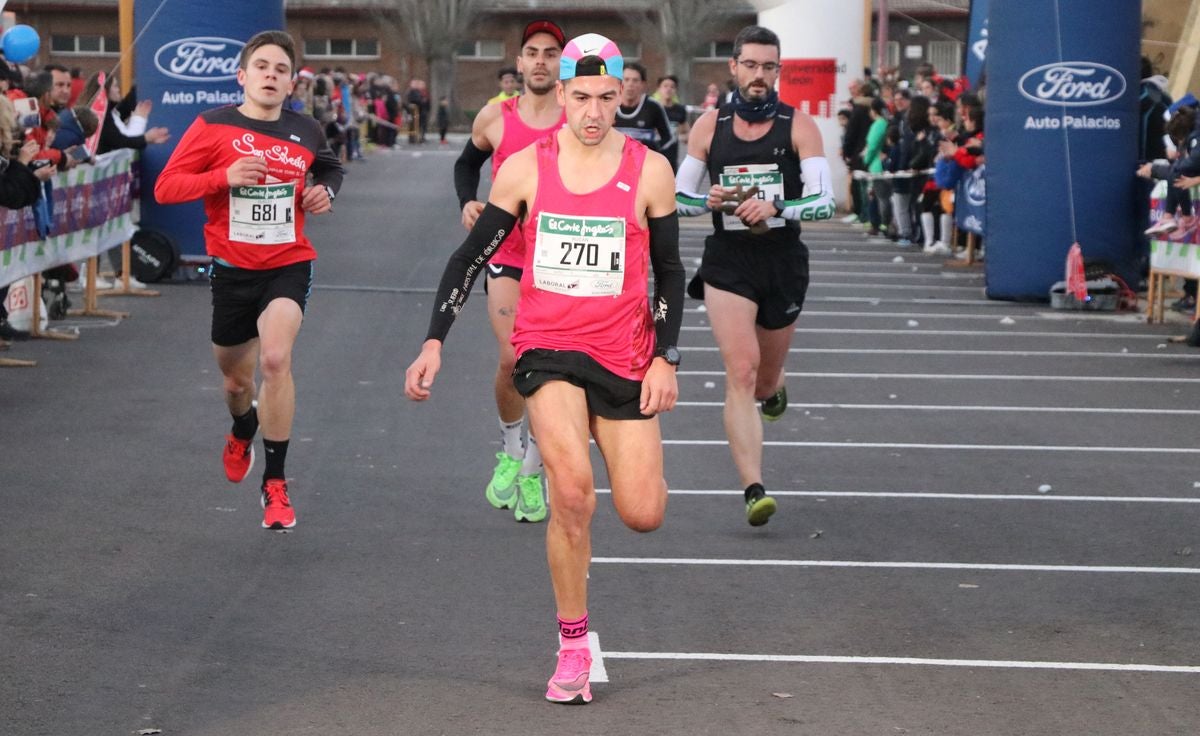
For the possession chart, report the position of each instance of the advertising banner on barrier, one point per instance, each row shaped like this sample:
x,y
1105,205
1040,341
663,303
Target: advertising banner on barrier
x,y
970,201
186,63
94,211
1061,131
977,42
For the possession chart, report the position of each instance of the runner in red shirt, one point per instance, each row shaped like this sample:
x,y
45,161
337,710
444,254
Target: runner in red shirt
x,y
592,359
249,164
500,130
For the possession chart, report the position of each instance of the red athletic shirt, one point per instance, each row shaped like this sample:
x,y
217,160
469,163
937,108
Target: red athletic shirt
x,y
617,329
292,146
517,135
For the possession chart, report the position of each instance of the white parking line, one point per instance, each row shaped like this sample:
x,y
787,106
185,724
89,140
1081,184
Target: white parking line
x,y
948,407
915,661
725,562
950,446
937,496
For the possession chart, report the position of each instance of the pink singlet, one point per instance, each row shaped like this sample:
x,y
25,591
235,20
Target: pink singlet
x,y
584,285
517,135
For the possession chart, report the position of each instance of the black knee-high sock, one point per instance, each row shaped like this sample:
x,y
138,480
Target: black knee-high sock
x,y
276,455
246,425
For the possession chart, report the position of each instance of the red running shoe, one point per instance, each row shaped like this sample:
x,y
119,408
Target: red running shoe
x,y
277,507
238,458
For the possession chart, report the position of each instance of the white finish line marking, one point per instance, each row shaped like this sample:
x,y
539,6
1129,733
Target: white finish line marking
x,y
949,407
950,446
970,353
937,496
967,377
916,661
961,333
724,562
598,673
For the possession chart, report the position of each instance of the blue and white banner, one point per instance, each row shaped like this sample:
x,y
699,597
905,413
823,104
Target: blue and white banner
x,y
970,201
186,63
1061,130
977,42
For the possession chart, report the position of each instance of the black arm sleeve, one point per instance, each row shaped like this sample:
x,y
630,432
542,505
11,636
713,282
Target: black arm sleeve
x,y
490,230
466,172
668,279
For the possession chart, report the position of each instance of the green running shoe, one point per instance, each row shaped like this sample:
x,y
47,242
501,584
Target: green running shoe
x,y
759,507
501,491
531,503
774,407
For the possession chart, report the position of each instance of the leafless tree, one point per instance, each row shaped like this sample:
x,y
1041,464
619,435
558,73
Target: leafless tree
x,y
434,30
680,27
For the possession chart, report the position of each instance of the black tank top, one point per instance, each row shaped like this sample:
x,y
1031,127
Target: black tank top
x,y
727,153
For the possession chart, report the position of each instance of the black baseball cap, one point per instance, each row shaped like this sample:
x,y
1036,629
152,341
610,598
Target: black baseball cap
x,y
544,26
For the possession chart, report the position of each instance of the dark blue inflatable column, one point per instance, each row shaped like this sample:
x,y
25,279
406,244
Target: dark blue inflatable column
x,y
1061,125
186,62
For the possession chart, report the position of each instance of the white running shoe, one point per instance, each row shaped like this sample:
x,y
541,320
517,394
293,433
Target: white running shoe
x,y
1162,227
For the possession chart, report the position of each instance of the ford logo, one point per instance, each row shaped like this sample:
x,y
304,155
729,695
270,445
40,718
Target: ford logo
x,y
1073,84
200,59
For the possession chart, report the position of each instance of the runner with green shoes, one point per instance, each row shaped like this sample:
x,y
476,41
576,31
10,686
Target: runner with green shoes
x,y
501,492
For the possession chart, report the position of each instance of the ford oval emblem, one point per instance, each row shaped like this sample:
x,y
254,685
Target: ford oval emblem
x,y
1073,84
200,59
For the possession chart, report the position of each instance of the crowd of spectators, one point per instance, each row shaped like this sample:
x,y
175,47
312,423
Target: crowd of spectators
x,y
907,143
45,121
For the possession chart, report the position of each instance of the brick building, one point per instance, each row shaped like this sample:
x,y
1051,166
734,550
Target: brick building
x,y
352,34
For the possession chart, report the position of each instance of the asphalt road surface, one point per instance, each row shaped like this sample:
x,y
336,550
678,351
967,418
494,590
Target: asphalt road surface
x,y
987,520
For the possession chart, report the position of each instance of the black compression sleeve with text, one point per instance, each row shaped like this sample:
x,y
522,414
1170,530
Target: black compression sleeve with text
x,y
490,230
668,279
466,172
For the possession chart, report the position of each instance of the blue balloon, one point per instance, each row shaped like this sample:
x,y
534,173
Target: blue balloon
x,y
20,44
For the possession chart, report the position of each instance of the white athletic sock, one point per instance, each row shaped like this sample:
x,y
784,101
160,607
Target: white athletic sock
x,y
533,458
927,228
947,223
512,435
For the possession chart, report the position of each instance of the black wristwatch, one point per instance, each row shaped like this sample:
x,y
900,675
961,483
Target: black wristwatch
x,y
670,354
780,206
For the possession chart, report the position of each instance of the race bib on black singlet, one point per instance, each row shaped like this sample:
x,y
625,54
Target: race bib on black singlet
x,y
264,214
766,177
579,256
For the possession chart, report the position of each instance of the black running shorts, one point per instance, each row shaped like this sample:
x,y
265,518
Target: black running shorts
x,y
240,295
498,271
608,395
775,277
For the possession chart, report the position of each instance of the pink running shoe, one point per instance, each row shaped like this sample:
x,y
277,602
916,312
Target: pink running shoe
x,y
238,458
570,681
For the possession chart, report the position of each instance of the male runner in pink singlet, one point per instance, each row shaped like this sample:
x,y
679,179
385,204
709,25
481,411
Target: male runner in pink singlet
x,y
598,215
500,130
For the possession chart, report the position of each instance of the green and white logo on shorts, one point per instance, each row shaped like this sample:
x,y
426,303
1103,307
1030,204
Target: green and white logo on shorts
x,y
579,256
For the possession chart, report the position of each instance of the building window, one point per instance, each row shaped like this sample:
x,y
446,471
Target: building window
x,y
946,57
715,51
631,50
482,50
341,48
87,45
893,55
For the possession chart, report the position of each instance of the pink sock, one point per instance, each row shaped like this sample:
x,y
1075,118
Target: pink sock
x,y
573,634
